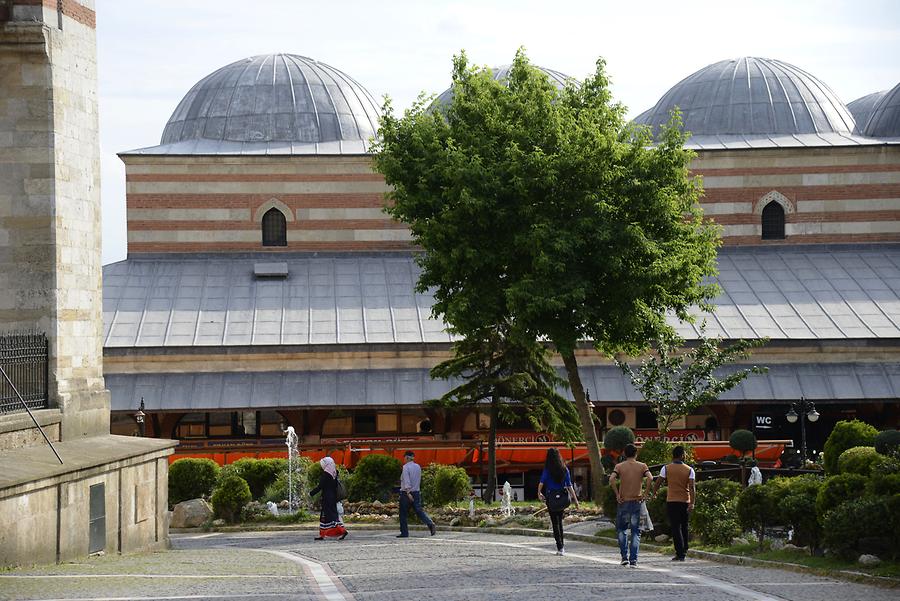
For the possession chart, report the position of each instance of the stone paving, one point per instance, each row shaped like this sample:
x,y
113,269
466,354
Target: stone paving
x,y
376,566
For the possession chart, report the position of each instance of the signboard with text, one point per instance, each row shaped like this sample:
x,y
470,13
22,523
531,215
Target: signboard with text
x,y
671,436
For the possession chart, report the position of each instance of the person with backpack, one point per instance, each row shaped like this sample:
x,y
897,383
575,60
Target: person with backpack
x,y
556,490
332,489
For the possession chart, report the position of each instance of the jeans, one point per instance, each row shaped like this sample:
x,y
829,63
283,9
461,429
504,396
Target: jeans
x,y
628,516
417,507
678,520
556,520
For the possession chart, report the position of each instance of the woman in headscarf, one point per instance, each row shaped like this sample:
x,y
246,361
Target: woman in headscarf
x,y
330,524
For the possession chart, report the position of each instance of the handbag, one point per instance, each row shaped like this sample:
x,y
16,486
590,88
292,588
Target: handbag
x,y
557,500
340,491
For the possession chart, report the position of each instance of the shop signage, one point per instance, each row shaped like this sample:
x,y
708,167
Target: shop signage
x,y
671,435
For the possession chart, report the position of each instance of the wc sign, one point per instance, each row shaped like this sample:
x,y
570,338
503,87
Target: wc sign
x,y
762,421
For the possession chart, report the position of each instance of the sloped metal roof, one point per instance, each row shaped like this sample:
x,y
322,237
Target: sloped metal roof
x,y
862,108
885,119
379,387
785,293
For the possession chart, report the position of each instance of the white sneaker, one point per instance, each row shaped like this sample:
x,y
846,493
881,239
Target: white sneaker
x,y
561,552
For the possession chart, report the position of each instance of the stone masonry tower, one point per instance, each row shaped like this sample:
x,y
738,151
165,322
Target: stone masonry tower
x,y
50,199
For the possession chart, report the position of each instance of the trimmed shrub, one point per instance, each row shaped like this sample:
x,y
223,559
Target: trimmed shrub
x,y
754,509
846,435
883,485
617,438
230,496
277,490
888,442
742,441
443,484
374,477
838,489
658,514
659,452
191,478
851,521
858,460
259,473
798,510
609,503
714,518
887,464
314,472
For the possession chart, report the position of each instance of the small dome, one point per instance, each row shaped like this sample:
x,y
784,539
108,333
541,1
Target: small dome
x,y
274,98
885,119
752,97
862,108
502,72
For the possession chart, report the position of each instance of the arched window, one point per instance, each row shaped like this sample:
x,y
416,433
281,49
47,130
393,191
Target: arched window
x,y
274,228
773,222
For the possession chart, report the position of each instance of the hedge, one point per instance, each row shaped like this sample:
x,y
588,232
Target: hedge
x,y
838,489
443,484
259,473
230,496
374,478
714,518
888,442
191,478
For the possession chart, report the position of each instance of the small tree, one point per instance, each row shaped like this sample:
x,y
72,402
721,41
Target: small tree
x,y
678,380
755,510
617,438
742,441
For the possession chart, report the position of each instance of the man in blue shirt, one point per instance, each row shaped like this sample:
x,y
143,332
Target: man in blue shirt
x,y
410,496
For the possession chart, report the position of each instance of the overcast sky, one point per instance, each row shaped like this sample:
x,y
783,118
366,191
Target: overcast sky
x,y
152,51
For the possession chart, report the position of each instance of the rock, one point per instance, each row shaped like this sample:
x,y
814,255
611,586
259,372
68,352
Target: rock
x,y
377,503
776,544
191,514
284,505
662,538
218,523
868,560
489,523
790,547
455,521
739,541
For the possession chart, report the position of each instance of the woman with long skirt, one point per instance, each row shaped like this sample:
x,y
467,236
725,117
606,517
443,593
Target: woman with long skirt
x,y
556,481
330,525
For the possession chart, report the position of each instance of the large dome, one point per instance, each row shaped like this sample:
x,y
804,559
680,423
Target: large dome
x,y
502,72
752,97
276,100
885,119
862,108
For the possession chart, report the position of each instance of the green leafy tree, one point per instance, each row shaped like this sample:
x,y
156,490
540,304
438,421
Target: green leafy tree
x,y
677,380
512,373
546,208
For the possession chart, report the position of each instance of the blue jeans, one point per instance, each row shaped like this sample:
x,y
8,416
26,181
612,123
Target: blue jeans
x,y
417,507
628,516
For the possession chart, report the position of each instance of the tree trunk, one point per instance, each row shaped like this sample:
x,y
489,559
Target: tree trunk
x,y
587,423
492,452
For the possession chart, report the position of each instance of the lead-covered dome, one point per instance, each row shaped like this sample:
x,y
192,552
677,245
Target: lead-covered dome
x,y
885,119
282,103
862,108
752,97
502,72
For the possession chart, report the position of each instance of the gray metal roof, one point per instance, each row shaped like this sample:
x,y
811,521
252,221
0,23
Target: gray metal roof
x,y
862,108
502,72
271,104
752,97
214,300
360,388
741,142
885,119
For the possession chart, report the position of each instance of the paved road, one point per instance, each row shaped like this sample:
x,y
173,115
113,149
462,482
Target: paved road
x,y
375,566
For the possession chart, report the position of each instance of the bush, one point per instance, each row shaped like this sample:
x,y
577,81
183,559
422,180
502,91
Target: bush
x,y
858,460
714,518
754,509
798,510
277,490
617,438
658,514
314,472
888,442
230,496
609,503
887,464
608,463
259,473
851,521
374,477
846,435
838,489
443,484
659,452
191,478
883,485
742,441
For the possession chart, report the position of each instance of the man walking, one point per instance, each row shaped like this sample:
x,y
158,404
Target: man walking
x,y
680,497
410,481
628,481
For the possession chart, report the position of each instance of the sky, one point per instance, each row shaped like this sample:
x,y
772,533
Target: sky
x,y
151,52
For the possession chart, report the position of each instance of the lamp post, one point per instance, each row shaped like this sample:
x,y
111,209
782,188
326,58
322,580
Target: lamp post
x,y
807,411
139,417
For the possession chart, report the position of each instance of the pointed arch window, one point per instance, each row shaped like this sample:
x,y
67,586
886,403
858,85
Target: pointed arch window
x,y
773,222
274,228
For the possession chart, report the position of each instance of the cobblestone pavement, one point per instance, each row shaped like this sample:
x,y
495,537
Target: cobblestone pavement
x,y
376,566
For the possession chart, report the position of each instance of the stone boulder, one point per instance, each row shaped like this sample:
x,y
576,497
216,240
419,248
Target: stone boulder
x,y
662,538
868,560
191,514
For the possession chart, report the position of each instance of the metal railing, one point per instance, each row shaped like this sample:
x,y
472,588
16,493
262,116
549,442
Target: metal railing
x,y
23,357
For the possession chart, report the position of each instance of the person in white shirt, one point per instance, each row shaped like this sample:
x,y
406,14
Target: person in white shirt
x,y
410,496
755,475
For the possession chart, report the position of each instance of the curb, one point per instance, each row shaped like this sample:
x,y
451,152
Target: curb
x,y
860,577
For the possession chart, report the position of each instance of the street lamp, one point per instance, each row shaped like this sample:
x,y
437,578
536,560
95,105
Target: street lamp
x,y
139,417
807,410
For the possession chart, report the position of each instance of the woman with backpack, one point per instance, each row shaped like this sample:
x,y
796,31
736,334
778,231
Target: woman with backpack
x,y
330,524
555,489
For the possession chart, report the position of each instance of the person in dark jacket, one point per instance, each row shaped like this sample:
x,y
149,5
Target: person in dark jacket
x,y
556,479
330,525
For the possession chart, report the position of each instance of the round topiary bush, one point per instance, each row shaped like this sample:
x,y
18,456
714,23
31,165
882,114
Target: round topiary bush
x,y
259,473
617,438
443,484
858,460
374,477
838,489
888,442
191,478
853,520
230,496
742,441
846,435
